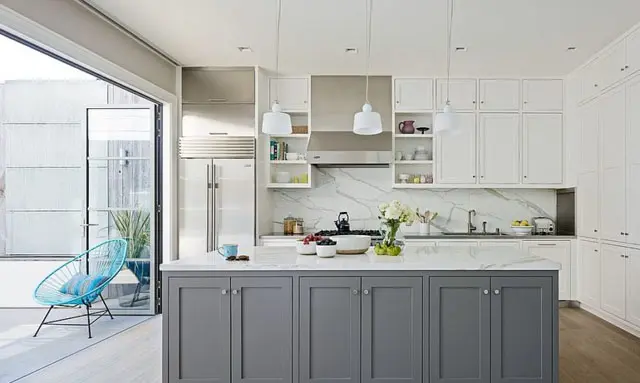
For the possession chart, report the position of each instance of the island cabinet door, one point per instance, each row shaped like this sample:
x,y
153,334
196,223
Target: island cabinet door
x,y
391,329
330,330
199,318
459,329
522,329
261,330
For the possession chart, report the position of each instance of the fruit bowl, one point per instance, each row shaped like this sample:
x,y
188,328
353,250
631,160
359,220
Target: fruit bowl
x,y
326,251
521,230
352,244
305,248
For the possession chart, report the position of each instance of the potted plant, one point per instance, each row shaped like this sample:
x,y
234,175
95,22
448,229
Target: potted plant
x,y
391,216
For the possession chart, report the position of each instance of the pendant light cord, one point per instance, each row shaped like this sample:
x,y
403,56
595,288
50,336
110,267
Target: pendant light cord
x,y
279,14
449,28
369,10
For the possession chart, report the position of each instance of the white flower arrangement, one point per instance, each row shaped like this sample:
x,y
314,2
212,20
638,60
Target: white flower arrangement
x,y
391,216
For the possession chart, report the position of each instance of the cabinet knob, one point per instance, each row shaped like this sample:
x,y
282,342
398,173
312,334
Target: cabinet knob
x,y
224,292
365,292
397,101
474,101
622,69
496,292
355,291
595,85
595,250
626,234
622,233
626,67
234,292
525,176
482,102
485,292
526,102
595,230
474,176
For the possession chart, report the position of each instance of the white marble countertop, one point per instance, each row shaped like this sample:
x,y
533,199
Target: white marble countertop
x,y
414,258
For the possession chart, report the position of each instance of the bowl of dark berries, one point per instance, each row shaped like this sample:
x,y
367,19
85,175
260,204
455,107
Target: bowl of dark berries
x,y
307,245
326,248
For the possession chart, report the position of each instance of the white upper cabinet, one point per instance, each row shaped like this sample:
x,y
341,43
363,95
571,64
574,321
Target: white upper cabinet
x,y
588,211
413,94
633,162
542,95
589,143
542,149
201,85
633,53
612,128
292,93
499,157
456,153
462,94
589,273
590,80
613,280
612,205
557,251
499,95
633,286
612,64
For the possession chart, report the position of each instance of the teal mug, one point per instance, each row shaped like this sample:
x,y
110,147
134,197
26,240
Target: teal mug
x,y
228,250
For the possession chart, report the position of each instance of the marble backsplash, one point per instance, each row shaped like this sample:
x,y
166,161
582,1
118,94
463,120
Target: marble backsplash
x,y
360,191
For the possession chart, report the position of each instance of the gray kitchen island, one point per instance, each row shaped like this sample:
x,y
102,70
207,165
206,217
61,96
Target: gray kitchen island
x,y
430,315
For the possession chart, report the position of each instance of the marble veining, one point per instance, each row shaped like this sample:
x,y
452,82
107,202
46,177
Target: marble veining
x,y
413,258
360,191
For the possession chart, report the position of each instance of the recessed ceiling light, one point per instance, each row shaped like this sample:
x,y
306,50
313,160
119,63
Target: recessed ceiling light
x,y
352,51
245,49
461,49
571,49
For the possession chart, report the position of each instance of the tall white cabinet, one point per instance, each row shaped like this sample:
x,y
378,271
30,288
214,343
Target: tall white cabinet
x,y
542,149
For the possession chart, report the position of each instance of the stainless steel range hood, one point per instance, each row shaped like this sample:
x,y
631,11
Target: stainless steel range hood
x,y
346,149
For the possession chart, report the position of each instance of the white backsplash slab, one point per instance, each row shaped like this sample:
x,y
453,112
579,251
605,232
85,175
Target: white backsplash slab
x,y
360,191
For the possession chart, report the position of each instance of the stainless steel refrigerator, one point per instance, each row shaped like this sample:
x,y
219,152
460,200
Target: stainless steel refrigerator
x,y
216,193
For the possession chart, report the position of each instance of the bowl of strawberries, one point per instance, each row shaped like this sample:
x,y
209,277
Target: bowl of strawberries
x,y
307,245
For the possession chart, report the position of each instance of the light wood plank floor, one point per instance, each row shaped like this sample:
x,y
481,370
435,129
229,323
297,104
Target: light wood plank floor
x,y
591,351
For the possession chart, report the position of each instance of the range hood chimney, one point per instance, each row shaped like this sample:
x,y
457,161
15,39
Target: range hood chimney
x,y
348,150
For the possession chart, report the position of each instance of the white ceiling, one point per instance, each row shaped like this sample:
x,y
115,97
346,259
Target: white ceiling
x,y
503,37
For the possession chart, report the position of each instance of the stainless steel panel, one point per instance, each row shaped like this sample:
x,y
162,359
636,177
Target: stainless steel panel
x,y
222,146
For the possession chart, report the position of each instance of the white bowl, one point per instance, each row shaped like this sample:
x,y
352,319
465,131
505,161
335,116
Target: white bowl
x,y
283,177
522,230
326,251
303,249
352,244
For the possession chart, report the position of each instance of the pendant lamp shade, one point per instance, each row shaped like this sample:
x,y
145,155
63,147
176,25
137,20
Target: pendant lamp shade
x,y
367,122
276,122
446,121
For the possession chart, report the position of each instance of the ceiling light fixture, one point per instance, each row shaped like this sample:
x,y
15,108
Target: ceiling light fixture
x,y
446,121
367,122
352,51
461,49
245,49
277,122
571,49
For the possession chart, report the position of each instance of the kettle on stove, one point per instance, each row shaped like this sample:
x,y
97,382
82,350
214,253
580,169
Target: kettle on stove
x,y
342,223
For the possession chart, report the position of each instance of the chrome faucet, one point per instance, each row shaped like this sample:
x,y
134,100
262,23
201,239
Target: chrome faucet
x,y
470,227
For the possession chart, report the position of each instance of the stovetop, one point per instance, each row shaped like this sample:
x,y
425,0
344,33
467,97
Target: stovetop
x,y
373,233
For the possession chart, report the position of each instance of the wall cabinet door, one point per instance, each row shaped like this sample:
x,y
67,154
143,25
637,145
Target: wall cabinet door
x,y
633,52
261,330
613,65
612,128
499,154
459,329
292,93
329,339
633,286
588,205
613,280
199,330
391,329
499,95
217,86
542,149
521,329
591,84
612,205
456,153
413,94
589,138
633,158
462,94
542,95
557,251
589,276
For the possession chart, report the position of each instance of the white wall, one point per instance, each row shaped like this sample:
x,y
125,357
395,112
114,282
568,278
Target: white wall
x,y
18,280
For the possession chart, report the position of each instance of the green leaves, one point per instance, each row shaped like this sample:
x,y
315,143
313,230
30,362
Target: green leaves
x,y
134,226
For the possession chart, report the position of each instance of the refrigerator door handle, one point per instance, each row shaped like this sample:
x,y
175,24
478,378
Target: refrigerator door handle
x,y
214,212
208,210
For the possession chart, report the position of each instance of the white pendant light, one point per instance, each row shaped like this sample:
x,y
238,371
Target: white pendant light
x,y
367,122
446,122
277,122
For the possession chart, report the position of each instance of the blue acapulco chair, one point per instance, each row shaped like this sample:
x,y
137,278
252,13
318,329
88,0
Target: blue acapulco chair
x,y
102,263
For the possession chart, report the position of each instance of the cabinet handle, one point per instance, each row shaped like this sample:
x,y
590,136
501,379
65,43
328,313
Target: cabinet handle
x,y
224,292
365,292
626,233
547,244
485,292
355,291
234,292
622,69
622,255
496,292
626,67
622,233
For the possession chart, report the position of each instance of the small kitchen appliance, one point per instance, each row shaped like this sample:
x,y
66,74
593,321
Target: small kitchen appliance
x,y
342,223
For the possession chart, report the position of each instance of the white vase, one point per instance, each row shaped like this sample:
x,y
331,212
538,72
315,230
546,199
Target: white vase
x,y
425,228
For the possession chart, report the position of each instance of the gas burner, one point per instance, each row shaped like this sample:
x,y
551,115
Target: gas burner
x,y
328,233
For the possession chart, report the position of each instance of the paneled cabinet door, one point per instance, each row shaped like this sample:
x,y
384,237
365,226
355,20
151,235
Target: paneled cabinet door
x,y
456,153
462,94
588,205
542,149
499,157
613,64
589,141
261,330
633,286
633,52
613,280
557,251
612,128
459,329
391,329
414,94
542,95
612,205
292,93
633,158
329,339
502,95
199,330
521,329
589,276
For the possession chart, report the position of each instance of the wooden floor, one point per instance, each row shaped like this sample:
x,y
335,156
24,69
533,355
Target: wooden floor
x,y
591,351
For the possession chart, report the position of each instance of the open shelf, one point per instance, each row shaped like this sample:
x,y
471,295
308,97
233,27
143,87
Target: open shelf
x,y
306,135
288,186
412,186
400,135
288,162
